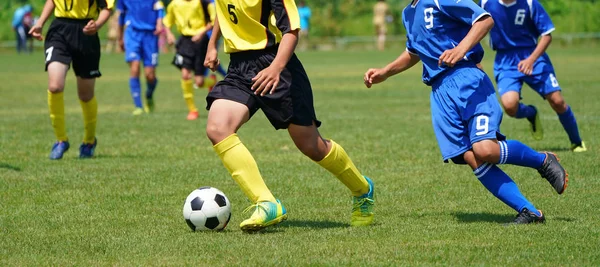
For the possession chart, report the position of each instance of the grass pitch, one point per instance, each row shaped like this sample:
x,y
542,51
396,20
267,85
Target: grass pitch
x,y
124,206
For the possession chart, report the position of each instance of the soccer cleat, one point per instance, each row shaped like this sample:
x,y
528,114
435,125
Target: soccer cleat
x,y
138,111
535,125
86,151
58,149
552,171
192,115
265,214
149,108
526,217
362,207
579,148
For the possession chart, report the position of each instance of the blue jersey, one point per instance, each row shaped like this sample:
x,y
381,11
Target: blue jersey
x,y
140,14
517,25
305,15
434,26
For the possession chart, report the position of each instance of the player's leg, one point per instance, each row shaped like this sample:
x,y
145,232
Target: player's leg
x,y
187,85
150,55
57,73
331,156
509,89
567,119
133,55
89,108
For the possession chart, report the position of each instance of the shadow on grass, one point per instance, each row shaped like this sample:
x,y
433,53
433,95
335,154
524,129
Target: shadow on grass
x,y
464,217
9,167
555,149
313,224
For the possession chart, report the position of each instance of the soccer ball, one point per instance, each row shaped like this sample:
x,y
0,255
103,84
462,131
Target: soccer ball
x,y
206,208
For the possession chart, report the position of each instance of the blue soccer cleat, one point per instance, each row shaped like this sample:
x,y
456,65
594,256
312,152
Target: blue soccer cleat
x,y
86,151
362,207
58,149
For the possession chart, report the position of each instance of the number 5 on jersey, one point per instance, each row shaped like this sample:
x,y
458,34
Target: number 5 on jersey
x,y
232,15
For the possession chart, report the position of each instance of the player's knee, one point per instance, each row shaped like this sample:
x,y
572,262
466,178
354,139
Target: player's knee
x,y
217,132
486,151
150,77
311,150
558,104
56,87
510,109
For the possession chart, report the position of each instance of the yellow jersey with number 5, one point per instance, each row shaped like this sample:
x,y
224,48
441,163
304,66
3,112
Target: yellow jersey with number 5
x,y
255,24
80,9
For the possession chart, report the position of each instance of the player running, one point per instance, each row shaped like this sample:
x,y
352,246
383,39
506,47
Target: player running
x,y
521,58
143,22
465,112
73,37
189,18
264,73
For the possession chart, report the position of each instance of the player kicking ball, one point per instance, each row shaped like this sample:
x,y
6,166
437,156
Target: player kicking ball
x,y
188,16
73,37
139,40
264,73
521,58
465,112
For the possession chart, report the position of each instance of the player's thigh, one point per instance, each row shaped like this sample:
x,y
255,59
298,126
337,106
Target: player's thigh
x,y
149,50
132,40
544,83
225,117
509,81
86,58
57,73
57,56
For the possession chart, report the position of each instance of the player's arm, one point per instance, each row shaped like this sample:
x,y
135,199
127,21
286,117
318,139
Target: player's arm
x,y
168,22
36,30
526,65
122,14
201,32
211,60
288,22
545,27
405,61
160,9
93,26
479,29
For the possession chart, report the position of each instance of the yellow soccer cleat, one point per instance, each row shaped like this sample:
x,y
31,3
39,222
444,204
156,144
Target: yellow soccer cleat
x,y
137,111
149,107
535,125
579,148
265,214
362,207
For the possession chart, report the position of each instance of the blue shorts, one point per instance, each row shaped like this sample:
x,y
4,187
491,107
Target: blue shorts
x,y
464,110
141,45
544,83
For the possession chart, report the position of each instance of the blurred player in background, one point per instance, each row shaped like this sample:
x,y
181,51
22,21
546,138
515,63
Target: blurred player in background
x,y
112,44
21,24
188,16
264,73
381,10
465,112
208,7
521,58
143,23
73,37
305,13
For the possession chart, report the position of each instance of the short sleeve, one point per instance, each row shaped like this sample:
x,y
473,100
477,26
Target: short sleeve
x,y
409,46
462,10
169,20
540,18
286,15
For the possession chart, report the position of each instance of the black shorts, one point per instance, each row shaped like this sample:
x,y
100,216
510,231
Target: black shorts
x,y
292,101
190,55
66,43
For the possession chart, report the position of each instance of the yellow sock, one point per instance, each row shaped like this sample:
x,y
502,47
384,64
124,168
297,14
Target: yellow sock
x,y
242,167
188,94
56,105
339,164
90,114
210,81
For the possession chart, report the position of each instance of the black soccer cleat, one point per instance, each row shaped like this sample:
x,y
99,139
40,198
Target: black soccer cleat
x,y
526,217
552,171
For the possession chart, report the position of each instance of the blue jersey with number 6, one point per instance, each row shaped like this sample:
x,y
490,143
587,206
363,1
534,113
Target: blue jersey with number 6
x,y
434,26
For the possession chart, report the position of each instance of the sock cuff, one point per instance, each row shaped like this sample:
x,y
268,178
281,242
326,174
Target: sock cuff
x,y
227,143
154,83
134,79
55,94
567,112
330,155
88,102
482,170
186,82
503,152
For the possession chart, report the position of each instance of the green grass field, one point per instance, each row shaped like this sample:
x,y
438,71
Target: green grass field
x,y
124,206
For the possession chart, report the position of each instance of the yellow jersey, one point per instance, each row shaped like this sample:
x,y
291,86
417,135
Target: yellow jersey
x,y
187,15
81,9
255,24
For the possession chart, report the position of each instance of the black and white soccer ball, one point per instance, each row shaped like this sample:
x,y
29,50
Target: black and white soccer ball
x,y
207,208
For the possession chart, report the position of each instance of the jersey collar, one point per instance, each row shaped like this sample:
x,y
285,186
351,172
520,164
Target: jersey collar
x,y
507,5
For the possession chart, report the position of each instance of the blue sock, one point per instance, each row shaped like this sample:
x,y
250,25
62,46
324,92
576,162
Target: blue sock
x,y
150,88
525,111
134,86
502,187
516,153
567,119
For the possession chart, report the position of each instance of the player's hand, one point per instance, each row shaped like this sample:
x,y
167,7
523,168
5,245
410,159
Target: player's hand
x,y
90,28
196,38
122,44
374,76
266,81
451,56
159,29
170,38
211,60
526,66
36,32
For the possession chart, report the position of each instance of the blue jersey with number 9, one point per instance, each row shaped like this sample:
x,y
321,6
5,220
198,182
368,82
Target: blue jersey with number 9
x,y
434,26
